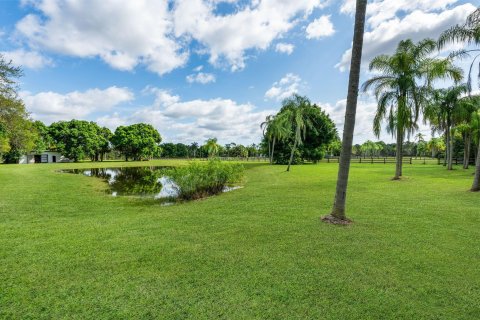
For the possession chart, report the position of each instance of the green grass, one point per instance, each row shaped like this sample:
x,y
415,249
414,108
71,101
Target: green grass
x,y
69,251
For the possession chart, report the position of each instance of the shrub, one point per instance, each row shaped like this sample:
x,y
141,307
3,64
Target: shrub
x,y
199,180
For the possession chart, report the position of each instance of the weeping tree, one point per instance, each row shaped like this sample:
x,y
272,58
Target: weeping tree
x,y
401,86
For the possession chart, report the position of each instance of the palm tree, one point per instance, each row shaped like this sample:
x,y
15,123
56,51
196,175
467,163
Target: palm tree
x,y
476,138
275,129
295,118
445,110
469,32
337,214
212,147
399,91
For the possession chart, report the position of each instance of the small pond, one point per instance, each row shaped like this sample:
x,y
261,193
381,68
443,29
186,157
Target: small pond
x,y
151,182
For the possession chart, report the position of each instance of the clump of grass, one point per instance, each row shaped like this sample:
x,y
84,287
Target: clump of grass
x,y
199,180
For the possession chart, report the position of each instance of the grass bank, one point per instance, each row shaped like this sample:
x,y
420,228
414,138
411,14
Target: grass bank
x,y
68,250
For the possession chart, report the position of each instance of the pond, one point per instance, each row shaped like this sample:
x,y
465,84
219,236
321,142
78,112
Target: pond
x,y
150,182
134,181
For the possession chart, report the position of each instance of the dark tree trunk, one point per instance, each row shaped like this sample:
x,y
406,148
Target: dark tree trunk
x,y
338,210
449,148
291,154
466,152
476,178
399,155
273,149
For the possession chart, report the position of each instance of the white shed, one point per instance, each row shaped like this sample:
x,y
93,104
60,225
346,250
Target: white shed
x,y
42,157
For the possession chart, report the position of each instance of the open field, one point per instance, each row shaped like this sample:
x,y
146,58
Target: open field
x,y
67,250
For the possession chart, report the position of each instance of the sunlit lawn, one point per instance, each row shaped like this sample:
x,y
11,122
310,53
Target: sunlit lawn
x,y
68,250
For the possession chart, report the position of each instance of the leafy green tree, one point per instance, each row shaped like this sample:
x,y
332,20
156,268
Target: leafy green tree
x,y
436,145
17,135
8,72
137,141
402,86
79,139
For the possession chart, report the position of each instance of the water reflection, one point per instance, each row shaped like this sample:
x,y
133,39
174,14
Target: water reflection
x,y
139,181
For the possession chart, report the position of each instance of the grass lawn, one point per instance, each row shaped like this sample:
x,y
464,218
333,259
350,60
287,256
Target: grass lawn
x,y
68,250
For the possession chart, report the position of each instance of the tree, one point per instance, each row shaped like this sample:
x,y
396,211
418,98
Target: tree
x,y
447,108
8,72
79,139
468,32
275,130
193,148
401,88
138,141
212,147
17,135
337,214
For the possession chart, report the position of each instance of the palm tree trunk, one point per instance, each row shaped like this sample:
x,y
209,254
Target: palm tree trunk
x,y
399,154
446,149
291,154
450,149
476,179
338,210
269,151
466,152
273,149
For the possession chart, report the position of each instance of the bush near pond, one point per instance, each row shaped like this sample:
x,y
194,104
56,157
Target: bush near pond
x,y
198,180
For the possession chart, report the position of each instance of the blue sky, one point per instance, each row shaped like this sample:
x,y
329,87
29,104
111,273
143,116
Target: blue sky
x,y
197,69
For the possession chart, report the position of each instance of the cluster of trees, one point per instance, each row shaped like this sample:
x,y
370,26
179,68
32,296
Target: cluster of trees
x,y
211,148
404,88
299,131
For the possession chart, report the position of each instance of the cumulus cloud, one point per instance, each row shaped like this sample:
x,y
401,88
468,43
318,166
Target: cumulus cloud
x,y
284,48
196,120
284,88
157,34
320,28
201,77
27,59
421,19
227,37
52,106
123,35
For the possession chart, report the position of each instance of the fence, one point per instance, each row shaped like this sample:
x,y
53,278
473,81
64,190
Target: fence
x,y
383,160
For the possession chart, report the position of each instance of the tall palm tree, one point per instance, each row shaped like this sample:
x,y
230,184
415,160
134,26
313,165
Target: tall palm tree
x,y
401,88
446,109
476,138
337,214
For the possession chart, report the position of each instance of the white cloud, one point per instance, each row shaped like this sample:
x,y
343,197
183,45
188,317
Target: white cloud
x,y
284,48
196,120
52,106
123,35
284,88
227,37
320,28
27,59
201,77
421,21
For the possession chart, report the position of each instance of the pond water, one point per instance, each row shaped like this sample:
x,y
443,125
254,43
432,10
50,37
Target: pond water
x,y
134,181
152,182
